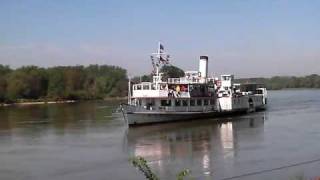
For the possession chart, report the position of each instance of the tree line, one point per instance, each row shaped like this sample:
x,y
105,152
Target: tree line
x,y
62,83
283,82
101,81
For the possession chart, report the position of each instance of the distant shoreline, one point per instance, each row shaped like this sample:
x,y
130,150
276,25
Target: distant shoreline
x,y
41,102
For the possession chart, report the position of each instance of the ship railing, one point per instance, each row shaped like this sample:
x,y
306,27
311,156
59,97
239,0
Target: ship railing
x,y
184,95
174,80
171,108
184,80
149,93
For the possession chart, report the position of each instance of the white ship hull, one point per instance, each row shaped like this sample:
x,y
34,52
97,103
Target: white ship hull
x,y
236,107
149,118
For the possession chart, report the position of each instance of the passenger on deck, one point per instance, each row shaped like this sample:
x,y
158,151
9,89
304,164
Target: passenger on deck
x,y
177,91
171,94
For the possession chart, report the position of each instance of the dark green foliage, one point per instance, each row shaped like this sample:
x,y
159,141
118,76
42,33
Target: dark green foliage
x,y
3,89
144,78
141,164
181,175
27,83
4,71
60,83
282,82
56,85
100,81
170,71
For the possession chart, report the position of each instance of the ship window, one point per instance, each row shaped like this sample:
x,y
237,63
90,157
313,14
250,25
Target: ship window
x,y
138,87
165,102
226,78
258,91
178,103
184,102
184,88
153,86
192,102
205,102
211,102
146,87
163,86
199,102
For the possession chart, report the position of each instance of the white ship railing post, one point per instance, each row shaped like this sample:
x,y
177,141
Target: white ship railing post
x,y
129,91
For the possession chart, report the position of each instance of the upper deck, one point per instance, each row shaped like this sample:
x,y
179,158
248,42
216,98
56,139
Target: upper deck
x,y
175,87
150,90
192,84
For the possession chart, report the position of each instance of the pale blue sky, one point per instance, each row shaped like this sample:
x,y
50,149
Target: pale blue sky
x,y
248,38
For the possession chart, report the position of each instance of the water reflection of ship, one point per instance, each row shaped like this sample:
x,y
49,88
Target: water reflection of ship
x,y
194,142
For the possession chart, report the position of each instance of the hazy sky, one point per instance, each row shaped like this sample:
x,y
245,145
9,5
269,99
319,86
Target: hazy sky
x,y
248,38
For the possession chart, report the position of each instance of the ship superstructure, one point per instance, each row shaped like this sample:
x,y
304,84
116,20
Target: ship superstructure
x,y
193,96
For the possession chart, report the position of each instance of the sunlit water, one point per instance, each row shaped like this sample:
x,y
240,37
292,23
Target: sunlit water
x,y
83,141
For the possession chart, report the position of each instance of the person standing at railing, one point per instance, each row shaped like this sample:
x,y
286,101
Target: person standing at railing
x,y
178,90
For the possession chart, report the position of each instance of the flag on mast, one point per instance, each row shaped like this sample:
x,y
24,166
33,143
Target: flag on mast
x,y
161,48
162,55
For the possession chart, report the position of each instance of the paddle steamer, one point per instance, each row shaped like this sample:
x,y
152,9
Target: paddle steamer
x,y
194,96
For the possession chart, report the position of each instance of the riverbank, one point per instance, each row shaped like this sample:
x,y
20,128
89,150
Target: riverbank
x,y
35,103
42,102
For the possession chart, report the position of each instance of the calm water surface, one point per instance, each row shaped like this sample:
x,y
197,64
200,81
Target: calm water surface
x,y
83,141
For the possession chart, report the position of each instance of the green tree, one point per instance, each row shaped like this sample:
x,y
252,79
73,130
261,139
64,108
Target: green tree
x,y
4,71
3,89
28,82
56,85
170,71
63,82
74,79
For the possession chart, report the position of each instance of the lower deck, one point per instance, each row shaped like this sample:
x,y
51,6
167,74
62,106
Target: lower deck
x,y
165,110
173,105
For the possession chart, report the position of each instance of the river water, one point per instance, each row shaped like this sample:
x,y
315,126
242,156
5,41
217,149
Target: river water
x,y
83,141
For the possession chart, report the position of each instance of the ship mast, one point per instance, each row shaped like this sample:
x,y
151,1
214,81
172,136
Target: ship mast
x,y
159,59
